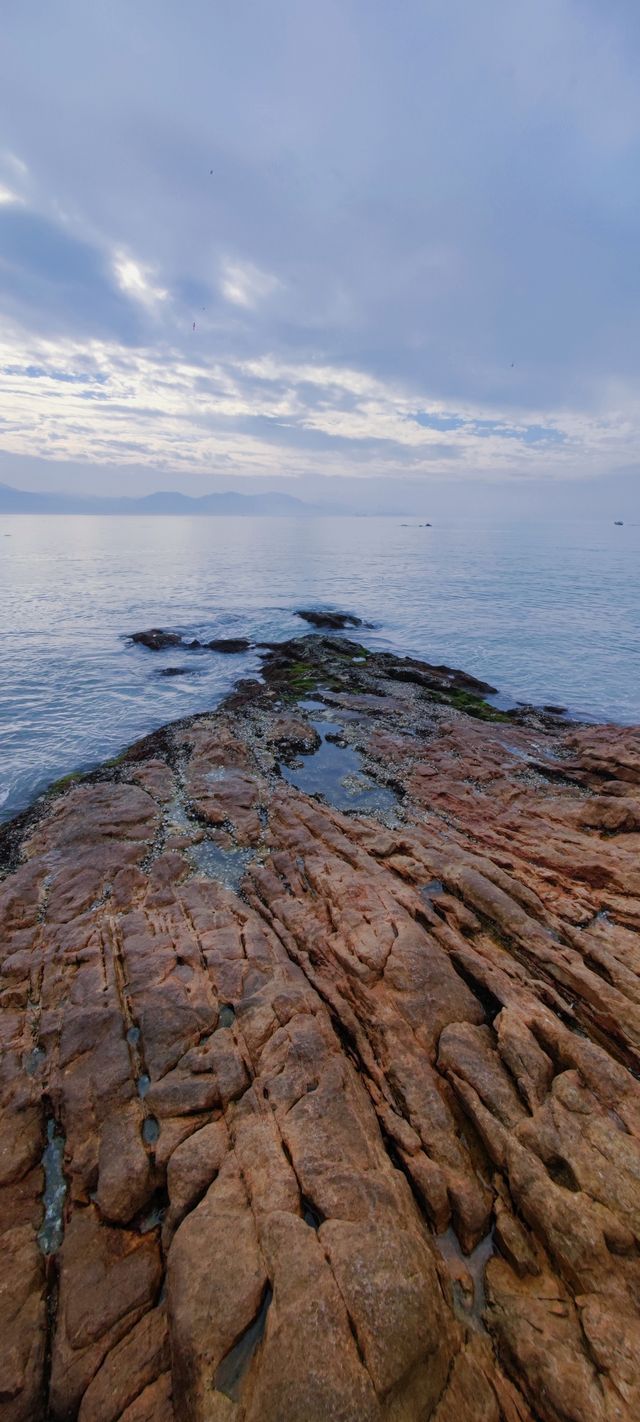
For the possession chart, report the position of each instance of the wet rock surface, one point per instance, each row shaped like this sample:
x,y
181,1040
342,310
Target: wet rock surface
x,y
317,1108
318,617
229,644
157,639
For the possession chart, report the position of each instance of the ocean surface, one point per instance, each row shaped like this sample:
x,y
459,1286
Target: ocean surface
x,y
547,612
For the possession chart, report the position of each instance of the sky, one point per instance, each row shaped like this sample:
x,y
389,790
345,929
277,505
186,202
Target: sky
x,y
355,245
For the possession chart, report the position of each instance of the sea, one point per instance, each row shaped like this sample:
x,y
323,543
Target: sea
x,y
549,612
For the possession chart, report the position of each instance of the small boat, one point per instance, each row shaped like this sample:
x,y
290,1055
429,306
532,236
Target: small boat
x,y
618,522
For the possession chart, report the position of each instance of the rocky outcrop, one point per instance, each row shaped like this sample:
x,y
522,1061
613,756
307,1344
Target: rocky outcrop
x,y
315,1113
229,644
335,621
157,639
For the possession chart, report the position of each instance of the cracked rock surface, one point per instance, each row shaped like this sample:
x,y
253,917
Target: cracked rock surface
x,y
315,1113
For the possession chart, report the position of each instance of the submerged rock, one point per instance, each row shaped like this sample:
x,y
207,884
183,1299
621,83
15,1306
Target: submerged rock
x,y
229,644
156,638
348,1096
334,620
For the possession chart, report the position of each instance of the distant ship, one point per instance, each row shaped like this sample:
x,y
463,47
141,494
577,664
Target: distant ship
x,y
618,522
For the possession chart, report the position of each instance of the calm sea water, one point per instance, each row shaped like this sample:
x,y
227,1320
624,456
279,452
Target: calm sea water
x,y
548,613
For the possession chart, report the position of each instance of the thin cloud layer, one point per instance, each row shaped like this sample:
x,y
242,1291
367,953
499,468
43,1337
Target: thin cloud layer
x,y
109,404
279,240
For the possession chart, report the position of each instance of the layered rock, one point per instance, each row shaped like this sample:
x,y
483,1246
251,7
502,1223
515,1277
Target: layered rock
x,y
312,1113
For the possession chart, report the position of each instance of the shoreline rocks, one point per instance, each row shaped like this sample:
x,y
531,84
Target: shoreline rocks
x,y
229,644
335,621
359,1136
157,639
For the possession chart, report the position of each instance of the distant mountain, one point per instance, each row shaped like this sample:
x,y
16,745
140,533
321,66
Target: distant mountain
x,y
14,501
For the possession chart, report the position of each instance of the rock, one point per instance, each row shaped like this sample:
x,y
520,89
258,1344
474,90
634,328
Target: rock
x,y
23,1325
126,1178
334,620
291,735
436,678
129,1370
619,815
109,1279
192,1168
361,1141
156,638
174,671
153,1404
229,644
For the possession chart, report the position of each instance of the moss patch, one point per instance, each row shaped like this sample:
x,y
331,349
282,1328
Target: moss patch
x,y
299,678
58,787
121,759
470,704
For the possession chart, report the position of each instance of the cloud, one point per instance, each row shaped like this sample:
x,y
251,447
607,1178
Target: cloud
x,y
100,402
51,279
324,239
12,161
137,281
245,285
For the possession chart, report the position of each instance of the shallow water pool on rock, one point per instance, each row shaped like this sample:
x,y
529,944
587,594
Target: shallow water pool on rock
x,y
55,1190
335,772
468,1275
150,1130
227,866
231,1373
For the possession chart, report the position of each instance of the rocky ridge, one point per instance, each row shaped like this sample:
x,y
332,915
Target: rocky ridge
x,y
320,1025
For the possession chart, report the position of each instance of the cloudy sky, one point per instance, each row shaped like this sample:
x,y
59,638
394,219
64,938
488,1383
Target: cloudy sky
x,y
283,240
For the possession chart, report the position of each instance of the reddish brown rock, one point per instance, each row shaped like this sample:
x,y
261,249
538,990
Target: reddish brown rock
x,y
23,1325
346,1104
129,1370
109,1279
